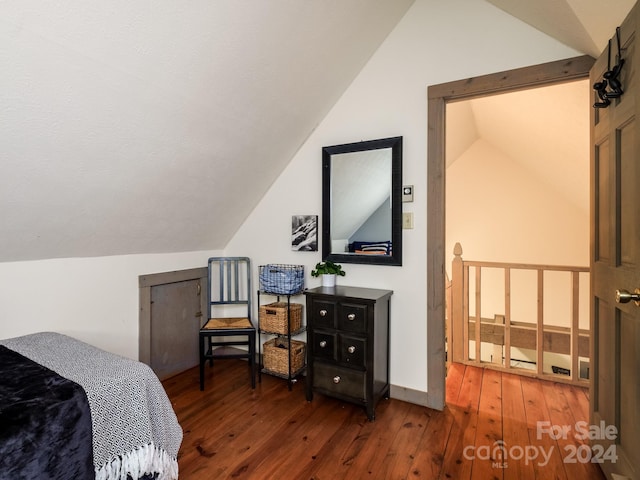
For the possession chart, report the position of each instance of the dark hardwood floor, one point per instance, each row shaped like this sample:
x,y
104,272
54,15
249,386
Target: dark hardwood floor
x,y
489,430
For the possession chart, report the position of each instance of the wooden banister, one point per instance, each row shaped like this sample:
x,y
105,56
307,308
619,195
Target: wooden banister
x,y
457,307
502,331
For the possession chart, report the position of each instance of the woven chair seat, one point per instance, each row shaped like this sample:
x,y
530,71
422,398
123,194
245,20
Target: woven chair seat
x,y
235,322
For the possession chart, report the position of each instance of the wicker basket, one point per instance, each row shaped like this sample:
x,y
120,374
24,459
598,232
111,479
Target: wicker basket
x,y
276,356
273,317
280,279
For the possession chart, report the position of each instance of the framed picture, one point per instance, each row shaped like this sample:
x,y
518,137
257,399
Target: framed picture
x,y
304,233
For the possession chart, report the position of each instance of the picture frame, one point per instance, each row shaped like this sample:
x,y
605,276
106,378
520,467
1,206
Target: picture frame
x,y
304,233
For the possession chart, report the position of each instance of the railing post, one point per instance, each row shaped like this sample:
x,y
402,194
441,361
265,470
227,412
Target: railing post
x,y
457,302
478,320
447,317
507,318
575,324
540,324
496,356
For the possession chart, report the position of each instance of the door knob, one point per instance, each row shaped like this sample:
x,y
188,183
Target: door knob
x,y
624,296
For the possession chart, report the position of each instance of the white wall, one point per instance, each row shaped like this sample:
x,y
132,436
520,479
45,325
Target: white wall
x,y
92,299
436,42
501,212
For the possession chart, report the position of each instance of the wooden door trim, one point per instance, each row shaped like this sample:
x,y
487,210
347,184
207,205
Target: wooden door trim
x,y
163,278
438,96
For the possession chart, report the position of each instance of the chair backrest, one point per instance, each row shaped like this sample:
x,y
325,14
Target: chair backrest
x,y
229,283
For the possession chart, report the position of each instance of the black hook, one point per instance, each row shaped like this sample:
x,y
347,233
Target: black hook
x,y
614,83
612,74
601,88
610,78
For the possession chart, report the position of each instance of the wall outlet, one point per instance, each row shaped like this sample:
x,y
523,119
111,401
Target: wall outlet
x,y
407,220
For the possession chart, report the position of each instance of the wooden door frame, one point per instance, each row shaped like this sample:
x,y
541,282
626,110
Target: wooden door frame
x,y
438,96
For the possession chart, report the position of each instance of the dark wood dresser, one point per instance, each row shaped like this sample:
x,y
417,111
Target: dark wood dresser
x,y
348,344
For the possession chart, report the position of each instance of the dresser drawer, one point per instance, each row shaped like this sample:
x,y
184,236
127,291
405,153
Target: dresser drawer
x,y
324,345
352,317
322,314
339,381
352,350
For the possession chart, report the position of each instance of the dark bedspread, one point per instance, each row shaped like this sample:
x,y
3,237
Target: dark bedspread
x,y
45,423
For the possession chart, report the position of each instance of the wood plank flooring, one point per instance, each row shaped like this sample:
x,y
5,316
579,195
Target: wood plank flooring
x,y
489,430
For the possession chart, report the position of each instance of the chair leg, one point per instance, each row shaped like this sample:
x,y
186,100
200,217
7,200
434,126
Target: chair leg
x,y
205,347
252,359
210,350
202,360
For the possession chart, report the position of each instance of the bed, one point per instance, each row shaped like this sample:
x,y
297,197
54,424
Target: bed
x,y
70,410
371,248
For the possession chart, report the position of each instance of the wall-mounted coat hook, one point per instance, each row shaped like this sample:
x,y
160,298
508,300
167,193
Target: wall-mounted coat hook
x,y
611,78
612,74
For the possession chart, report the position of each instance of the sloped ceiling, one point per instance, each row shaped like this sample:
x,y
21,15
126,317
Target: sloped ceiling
x,y
552,147
156,126
585,25
358,200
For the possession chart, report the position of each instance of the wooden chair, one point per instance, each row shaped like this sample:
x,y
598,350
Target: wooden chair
x,y
229,322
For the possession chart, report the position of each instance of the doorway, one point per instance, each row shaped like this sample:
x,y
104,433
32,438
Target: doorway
x,y
517,214
439,97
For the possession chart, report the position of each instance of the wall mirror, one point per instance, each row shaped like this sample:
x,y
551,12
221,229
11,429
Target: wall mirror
x,y
362,202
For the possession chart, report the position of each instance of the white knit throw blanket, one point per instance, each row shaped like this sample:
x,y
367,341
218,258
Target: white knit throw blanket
x,y
135,430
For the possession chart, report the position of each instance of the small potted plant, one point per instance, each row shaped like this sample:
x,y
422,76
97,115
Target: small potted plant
x,y
329,271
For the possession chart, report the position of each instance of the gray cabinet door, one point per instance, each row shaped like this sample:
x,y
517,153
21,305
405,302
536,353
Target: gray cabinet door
x,y
172,305
175,322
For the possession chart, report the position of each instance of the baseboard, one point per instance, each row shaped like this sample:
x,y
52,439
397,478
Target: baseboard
x,y
408,395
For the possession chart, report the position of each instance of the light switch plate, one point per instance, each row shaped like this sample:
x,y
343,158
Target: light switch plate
x,y
407,220
407,193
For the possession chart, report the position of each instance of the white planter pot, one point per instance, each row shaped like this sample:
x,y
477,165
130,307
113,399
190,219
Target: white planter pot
x,y
329,280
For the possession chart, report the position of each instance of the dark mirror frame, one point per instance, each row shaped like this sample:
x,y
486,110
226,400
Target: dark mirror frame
x,y
395,143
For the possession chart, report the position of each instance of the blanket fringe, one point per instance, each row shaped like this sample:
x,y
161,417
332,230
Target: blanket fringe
x,y
143,460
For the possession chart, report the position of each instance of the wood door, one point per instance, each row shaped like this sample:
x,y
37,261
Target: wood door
x,y
615,235
175,325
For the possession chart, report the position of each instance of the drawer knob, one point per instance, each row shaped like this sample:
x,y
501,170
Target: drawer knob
x,y
336,379
351,316
351,349
323,313
323,343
